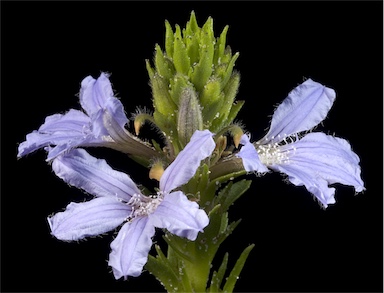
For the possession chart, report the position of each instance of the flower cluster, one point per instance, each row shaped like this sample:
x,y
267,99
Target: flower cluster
x,y
194,88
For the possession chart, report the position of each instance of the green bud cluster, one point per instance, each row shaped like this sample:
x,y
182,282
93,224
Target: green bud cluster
x,y
193,82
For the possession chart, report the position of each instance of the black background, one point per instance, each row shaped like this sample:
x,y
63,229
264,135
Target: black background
x,y
49,47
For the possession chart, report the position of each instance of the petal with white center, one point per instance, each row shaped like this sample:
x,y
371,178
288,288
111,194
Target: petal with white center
x,y
91,218
304,108
250,157
182,169
180,216
95,176
318,160
131,247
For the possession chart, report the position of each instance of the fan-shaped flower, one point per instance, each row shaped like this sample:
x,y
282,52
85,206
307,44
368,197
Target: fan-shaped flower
x,y
118,200
102,124
315,159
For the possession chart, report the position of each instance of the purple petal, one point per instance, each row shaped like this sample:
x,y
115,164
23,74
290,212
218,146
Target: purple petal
x,y
95,176
318,160
250,157
188,160
180,216
96,97
317,185
131,247
91,218
58,130
72,121
304,108
94,93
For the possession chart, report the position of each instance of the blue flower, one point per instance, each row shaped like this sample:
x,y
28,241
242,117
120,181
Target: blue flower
x,y
102,124
314,159
119,201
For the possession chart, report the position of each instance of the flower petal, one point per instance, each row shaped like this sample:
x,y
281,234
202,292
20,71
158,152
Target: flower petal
x,y
250,157
91,218
96,98
95,176
304,108
131,247
317,185
318,160
57,129
94,93
180,216
188,160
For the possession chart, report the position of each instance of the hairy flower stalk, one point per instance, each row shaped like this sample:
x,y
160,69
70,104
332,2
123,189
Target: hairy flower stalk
x,y
198,161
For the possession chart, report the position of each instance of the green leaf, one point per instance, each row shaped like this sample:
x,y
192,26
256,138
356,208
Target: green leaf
x,y
163,66
230,92
203,69
160,267
220,46
168,39
180,55
179,246
178,83
210,94
217,277
236,107
231,192
193,46
228,72
235,273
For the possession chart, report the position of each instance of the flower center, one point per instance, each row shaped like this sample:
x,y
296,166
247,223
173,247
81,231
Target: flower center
x,y
144,205
273,153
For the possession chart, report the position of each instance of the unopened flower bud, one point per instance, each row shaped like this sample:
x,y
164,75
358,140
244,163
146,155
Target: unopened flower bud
x,y
189,118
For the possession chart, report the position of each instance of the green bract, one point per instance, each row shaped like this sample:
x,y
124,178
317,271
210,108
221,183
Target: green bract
x,y
198,65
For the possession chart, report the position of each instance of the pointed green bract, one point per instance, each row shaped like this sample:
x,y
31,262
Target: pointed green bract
x,y
180,55
168,39
194,58
234,275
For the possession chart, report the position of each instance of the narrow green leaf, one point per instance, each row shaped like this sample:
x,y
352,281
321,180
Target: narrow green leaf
x,y
230,92
161,269
235,273
224,222
161,98
168,39
220,46
231,192
236,107
163,66
178,83
210,94
217,278
203,69
180,55
193,47
179,246
228,72
151,72
193,23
